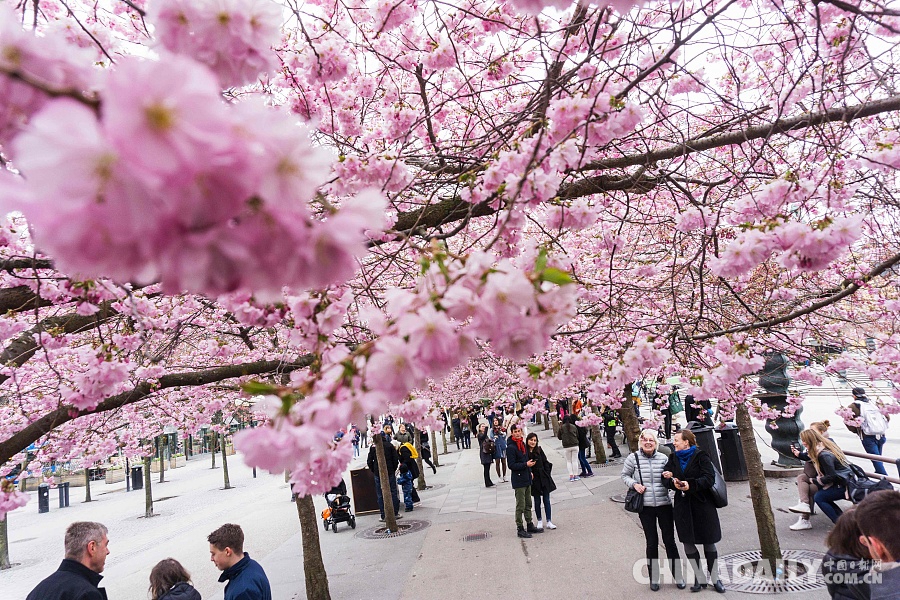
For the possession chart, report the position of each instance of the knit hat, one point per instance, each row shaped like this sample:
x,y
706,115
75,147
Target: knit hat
x,y
858,392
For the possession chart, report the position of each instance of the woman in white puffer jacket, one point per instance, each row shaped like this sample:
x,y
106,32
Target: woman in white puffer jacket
x,y
657,505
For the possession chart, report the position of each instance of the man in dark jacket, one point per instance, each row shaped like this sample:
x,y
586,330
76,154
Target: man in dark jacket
x,y
77,578
392,461
520,466
246,578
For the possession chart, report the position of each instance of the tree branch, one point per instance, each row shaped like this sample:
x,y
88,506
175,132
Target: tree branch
x,y
781,126
847,288
35,430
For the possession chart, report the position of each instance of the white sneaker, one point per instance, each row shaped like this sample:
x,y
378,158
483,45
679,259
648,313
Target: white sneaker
x,y
801,508
550,525
801,524
540,524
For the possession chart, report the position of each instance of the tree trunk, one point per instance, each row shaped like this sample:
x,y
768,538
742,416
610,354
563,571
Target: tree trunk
x,y
434,454
162,459
759,493
148,494
313,565
418,443
546,421
390,518
23,480
213,447
127,475
554,422
443,440
599,445
4,544
225,463
87,484
630,423
188,447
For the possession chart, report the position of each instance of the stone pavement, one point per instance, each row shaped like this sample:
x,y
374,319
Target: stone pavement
x,y
594,553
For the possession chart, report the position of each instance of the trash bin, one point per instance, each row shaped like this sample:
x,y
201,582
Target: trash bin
x,y
706,440
364,499
137,477
43,498
734,467
63,494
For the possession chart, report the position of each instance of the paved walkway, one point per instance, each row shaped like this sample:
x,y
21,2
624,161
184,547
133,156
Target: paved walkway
x,y
594,553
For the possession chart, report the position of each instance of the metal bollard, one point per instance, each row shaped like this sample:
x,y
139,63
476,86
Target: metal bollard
x,y
43,498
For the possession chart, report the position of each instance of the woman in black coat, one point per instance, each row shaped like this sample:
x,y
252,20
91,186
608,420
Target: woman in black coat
x,y
541,480
691,474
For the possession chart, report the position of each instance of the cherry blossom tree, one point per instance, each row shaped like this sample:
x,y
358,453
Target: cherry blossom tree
x,y
336,206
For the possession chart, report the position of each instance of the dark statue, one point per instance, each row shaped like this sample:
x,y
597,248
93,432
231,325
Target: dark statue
x,y
785,431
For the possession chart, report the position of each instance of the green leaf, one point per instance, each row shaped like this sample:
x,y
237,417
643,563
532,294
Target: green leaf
x,y
258,388
541,262
556,276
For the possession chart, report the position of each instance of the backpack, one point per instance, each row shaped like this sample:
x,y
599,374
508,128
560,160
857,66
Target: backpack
x,y
488,447
859,485
873,421
412,450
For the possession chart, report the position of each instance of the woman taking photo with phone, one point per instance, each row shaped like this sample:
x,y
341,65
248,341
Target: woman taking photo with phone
x,y
832,468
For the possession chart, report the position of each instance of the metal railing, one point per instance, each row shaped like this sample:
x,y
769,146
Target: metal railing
x,y
877,458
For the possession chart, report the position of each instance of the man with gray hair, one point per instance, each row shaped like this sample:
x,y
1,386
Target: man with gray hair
x,y
77,578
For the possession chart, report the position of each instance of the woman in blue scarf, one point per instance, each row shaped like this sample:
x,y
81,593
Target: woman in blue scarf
x,y
691,474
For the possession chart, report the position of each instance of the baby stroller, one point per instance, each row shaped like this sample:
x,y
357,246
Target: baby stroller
x,y
338,510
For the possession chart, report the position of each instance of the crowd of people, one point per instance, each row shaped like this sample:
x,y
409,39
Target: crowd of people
x,y
675,481
87,546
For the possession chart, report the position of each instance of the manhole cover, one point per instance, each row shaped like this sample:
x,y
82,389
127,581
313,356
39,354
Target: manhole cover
x,y
405,526
477,537
745,572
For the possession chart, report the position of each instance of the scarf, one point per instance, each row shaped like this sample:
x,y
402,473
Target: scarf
x,y
520,444
684,456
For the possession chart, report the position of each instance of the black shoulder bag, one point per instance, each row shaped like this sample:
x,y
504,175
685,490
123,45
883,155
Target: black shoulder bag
x,y
634,502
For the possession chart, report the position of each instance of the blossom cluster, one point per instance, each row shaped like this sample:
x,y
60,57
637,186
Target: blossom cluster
x,y
234,38
10,498
425,334
48,62
170,183
803,246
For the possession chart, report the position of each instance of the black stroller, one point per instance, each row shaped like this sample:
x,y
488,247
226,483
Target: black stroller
x,y
338,510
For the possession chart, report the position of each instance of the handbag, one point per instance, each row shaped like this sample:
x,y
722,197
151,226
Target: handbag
x,y
634,501
719,491
675,404
859,485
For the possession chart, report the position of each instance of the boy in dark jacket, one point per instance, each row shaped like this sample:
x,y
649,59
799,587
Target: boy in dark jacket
x,y
246,578
406,483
